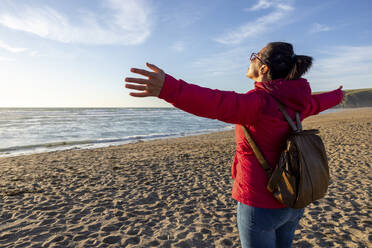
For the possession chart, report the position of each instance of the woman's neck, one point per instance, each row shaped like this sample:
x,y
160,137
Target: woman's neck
x,y
262,78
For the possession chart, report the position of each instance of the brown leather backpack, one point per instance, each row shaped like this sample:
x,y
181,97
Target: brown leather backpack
x,y
302,175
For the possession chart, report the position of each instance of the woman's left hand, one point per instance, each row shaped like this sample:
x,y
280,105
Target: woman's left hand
x,y
343,93
148,87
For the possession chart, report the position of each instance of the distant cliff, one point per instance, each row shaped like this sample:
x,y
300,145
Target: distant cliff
x,y
356,98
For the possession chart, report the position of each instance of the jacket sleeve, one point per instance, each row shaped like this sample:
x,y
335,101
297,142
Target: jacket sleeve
x,y
226,106
324,101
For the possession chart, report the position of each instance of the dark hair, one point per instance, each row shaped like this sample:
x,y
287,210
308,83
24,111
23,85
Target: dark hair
x,y
283,62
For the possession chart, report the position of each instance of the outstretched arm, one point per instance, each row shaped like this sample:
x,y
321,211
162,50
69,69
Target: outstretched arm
x,y
324,101
227,106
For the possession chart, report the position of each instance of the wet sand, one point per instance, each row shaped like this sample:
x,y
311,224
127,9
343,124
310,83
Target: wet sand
x,y
175,193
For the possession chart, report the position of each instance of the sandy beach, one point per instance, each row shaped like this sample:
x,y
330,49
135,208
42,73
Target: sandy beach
x,y
175,193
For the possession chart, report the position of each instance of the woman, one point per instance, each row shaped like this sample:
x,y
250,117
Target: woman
x,y
276,70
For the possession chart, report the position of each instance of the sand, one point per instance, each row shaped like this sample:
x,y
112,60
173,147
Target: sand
x,y
175,193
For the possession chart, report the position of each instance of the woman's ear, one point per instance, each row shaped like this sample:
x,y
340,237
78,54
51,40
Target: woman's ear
x,y
264,69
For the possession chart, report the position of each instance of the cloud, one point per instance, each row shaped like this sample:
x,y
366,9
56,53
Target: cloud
x,y
127,23
11,49
262,4
317,27
178,46
260,25
344,65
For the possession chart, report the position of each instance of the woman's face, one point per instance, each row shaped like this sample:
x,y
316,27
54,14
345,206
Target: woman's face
x,y
254,67
253,70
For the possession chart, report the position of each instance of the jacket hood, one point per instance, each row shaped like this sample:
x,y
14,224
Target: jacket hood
x,y
295,94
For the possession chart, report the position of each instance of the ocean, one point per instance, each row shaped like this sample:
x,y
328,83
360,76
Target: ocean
x,y
34,130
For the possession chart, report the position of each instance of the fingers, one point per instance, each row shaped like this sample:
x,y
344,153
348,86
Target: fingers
x,y
140,94
137,80
143,72
153,67
151,86
136,87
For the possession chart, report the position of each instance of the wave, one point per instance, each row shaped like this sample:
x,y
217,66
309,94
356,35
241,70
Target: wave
x,y
80,144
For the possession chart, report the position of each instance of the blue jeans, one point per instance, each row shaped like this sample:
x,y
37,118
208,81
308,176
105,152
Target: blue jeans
x,y
269,228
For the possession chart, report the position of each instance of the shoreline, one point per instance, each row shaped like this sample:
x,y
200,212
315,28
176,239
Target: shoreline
x,y
82,145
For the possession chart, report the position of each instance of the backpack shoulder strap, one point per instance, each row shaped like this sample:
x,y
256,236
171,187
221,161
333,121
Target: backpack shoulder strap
x,y
261,159
295,128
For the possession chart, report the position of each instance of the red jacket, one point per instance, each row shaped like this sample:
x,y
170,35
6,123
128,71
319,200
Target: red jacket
x,y
258,111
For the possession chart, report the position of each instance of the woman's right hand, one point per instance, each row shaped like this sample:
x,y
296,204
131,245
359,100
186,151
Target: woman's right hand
x,y
148,87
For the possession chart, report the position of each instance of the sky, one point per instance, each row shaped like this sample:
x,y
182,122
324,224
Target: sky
x,y
76,53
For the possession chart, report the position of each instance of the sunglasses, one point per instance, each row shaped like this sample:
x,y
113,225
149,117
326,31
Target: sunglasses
x,y
255,56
